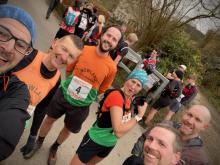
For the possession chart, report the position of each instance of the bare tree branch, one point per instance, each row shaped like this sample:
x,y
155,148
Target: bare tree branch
x,y
155,19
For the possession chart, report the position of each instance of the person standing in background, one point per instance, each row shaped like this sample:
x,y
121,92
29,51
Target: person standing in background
x,y
70,19
84,18
52,5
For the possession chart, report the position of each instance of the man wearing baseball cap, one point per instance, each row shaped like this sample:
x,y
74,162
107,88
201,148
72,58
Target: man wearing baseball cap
x,y
182,68
17,36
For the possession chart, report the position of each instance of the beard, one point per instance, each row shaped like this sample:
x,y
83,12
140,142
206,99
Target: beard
x,y
5,62
101,47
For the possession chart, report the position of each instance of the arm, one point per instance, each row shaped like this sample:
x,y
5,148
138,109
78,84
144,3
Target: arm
x,y
122,51
118,59
94,32
107,82
120,128
65,12
13,113
179,89
169,76
77,20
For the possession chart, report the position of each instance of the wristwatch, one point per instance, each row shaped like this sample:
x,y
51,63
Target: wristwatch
x,y
138,118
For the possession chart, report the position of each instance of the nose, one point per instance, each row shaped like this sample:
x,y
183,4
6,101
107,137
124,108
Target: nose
x,y
64,57
153,144
110,39
190,120
133,86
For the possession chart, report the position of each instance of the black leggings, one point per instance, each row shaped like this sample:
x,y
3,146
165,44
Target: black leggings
x,y
38,117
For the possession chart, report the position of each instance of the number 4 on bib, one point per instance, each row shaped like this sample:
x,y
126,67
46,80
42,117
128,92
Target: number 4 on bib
x,y
79,89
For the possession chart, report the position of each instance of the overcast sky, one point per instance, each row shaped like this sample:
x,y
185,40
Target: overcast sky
x,y
186,7
204,25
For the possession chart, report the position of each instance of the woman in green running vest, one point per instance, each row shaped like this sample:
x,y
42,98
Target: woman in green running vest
x,y
113,121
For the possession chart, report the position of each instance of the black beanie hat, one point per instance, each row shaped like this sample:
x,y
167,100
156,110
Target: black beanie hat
x,y
179,74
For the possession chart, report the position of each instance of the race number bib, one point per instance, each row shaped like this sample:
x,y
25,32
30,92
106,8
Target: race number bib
x,y
31,109
78,89
126,117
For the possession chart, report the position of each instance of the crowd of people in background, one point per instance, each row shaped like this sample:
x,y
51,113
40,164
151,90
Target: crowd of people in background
x,y
30,84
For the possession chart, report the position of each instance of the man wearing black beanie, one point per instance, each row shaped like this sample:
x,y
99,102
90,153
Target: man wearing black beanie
x,y
170,92
179,74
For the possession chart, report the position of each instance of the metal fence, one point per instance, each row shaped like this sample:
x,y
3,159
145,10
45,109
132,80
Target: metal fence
x,y
155,78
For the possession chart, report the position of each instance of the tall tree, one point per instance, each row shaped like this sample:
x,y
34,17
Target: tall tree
x,y
155,19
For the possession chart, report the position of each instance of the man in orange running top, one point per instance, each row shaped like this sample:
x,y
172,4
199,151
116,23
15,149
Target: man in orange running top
x,y
93,73
44,79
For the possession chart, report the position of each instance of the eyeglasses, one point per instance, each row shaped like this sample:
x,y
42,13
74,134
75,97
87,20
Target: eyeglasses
x,y
20,45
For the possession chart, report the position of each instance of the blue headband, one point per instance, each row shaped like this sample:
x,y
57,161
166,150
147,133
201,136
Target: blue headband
x,y
10,11
140,75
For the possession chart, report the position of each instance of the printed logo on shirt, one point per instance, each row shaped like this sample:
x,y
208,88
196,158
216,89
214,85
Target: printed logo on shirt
x,y
87,74
83,22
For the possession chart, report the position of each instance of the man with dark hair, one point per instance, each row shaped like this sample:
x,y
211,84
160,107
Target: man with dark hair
x,y
156,149
160,150
170,92
17,36
189,92
122,49
93,73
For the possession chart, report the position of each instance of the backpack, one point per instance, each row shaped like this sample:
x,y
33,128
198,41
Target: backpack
x,y
176,92
104,118
70,17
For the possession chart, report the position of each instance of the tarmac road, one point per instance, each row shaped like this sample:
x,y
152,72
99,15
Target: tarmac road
x,y
46,30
